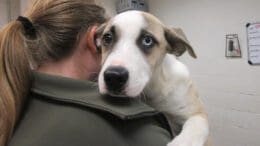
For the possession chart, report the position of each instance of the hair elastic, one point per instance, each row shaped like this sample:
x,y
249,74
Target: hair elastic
x,y
28,26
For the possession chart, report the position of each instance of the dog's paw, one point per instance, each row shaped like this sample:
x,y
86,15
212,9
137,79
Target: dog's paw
x,y
180,141
184,141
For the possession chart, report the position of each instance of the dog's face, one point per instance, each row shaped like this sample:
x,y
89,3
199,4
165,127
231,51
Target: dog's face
x,y
133,44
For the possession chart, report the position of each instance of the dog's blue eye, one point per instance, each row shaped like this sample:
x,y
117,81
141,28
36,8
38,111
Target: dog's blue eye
x,y
147,41
107,39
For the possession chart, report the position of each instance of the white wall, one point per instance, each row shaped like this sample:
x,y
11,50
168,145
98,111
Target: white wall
x,y
230,88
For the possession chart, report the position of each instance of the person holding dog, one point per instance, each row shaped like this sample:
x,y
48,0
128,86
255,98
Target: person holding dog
x,y
48,95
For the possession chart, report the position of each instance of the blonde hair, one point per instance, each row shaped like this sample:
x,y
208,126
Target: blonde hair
x,y
58,26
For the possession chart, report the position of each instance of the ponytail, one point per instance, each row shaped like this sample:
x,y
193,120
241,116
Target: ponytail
x,y
14,77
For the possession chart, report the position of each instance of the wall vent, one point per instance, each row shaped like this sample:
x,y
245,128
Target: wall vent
x,y
125,5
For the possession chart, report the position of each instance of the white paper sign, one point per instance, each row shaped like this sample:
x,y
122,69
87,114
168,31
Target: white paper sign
x,y
253,35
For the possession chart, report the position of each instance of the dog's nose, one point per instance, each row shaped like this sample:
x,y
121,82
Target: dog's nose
x,y
115,78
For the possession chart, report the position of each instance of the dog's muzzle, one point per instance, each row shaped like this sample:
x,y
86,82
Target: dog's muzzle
x,y
115,79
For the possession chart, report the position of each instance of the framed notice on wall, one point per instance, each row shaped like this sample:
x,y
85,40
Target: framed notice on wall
x,y
232,46
253,40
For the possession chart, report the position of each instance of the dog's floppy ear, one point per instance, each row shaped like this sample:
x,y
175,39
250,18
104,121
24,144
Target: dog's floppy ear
x,y
178,42
98,36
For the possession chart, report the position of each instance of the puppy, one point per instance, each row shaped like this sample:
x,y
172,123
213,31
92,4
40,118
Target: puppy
x,y
139,57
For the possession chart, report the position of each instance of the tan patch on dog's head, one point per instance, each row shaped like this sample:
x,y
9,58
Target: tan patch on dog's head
x,y
156,28
171,40
106,29
175,37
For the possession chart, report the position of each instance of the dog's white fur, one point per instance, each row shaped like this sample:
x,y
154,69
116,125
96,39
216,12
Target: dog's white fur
x,y
123,51
168,91
166,81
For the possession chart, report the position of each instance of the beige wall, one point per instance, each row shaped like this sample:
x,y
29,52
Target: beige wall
x,y
9,10
15,8
24,5
4,12
230,88
109,5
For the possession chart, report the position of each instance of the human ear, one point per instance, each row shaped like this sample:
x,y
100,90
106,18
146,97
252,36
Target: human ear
x,y
90,38
98,36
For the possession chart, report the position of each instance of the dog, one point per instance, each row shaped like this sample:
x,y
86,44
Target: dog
x,y
139,55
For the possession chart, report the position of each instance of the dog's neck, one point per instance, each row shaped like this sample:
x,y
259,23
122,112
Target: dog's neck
x,y
171,78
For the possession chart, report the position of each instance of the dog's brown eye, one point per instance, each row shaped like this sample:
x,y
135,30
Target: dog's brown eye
x,y
107,39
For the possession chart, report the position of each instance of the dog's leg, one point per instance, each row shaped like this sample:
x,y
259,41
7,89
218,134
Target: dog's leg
x,y
194,132
193,123
173,93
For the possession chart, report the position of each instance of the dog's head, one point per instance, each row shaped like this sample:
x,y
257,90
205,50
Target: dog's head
x,y
133,44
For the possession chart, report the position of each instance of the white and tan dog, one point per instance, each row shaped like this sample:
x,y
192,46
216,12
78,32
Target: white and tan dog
x,y
139,55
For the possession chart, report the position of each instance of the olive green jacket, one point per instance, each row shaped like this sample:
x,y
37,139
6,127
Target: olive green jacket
x,y
66,112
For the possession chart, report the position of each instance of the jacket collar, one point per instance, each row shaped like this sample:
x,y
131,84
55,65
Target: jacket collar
x,y
85,93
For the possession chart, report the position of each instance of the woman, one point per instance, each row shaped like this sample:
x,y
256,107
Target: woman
x,y
57,104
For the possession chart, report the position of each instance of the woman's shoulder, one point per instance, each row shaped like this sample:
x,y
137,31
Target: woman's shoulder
x,y
55,117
